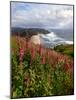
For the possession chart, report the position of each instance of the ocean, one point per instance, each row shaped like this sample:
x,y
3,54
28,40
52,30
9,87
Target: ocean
x,y
57,37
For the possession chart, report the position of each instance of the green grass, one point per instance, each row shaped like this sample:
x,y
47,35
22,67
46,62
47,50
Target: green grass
x,y
65,49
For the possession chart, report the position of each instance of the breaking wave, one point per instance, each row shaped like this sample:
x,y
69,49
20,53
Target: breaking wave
x,y
51,40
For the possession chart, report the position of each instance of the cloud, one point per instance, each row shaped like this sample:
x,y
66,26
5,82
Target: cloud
x,y
41,15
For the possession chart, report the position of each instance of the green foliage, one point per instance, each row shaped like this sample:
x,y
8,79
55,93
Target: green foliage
x,y
14,46
38,85
17,77
37,79
61,81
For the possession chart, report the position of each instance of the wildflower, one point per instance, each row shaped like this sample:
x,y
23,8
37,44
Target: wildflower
x,y
48,54
32,54
40,50
26,45
43,60
21,54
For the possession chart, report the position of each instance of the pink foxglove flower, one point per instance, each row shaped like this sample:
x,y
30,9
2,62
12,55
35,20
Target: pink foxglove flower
x,y
32,54
43,60
21,54
40,50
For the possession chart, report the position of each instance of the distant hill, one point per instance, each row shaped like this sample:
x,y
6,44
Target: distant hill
x,y
28,31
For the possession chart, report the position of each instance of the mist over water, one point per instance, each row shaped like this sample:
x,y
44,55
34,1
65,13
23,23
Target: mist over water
x,y
57,37
63,33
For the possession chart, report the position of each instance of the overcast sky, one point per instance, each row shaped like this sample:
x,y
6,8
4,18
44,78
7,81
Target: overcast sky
x,y
32,15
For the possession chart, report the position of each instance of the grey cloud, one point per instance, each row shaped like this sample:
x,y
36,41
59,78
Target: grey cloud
x,y
43,16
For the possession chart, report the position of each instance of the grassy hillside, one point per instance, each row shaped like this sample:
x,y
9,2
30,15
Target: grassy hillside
x,y
65,49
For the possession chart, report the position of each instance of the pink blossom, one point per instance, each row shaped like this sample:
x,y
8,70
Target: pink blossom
x,y
21,54
40,50
43,60
32,54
